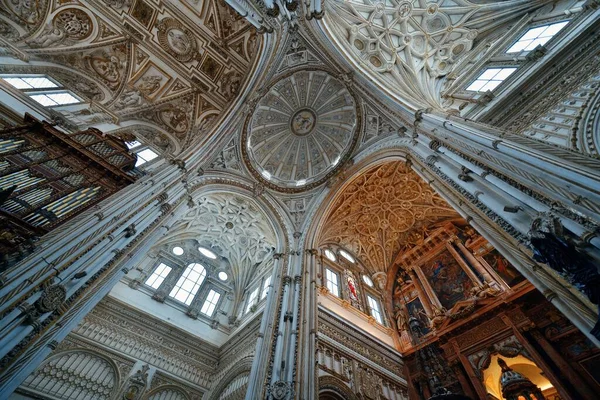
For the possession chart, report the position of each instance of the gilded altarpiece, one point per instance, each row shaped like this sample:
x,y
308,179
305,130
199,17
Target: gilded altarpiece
x,y
447,278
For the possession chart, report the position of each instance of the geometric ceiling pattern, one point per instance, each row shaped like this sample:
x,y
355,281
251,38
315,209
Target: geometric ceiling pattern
x,y
173,66
301,129
411,45
383,211
234,228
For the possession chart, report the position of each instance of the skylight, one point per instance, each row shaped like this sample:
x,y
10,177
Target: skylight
x,y
537,36
30,82
490,79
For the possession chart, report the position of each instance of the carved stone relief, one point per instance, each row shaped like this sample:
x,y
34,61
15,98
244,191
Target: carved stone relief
x,y
380,211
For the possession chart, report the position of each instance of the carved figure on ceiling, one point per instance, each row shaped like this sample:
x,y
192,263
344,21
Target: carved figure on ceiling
x,y
49,36
150,84
27,13
108,64
71,23
176,39
131,97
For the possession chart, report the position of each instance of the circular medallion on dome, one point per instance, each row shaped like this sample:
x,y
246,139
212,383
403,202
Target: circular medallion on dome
x,y
301,131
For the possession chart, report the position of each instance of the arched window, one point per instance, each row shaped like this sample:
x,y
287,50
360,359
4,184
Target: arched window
x,y
188,284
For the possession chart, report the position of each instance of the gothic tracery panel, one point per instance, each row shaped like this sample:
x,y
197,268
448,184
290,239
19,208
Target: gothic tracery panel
x,y
381,212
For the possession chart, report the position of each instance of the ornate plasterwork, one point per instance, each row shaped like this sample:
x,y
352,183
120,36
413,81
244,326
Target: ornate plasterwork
x,y
381,212
235,229
410,46
301,130
177,69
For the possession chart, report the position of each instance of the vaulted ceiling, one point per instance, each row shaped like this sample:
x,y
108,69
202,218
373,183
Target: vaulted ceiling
x,y
172,69
233,227
410,47
383,211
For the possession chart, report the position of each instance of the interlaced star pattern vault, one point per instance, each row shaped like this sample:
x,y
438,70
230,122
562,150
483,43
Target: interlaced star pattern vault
x,y
381,211
411,45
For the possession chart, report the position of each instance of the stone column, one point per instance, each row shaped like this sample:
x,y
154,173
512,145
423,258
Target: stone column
x,y
444,149
260,363
308,352
422,295
487,277
75,268
462,263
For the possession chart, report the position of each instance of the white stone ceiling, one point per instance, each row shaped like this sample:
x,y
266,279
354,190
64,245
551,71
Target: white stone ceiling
x,y
301,130
234,228
410,46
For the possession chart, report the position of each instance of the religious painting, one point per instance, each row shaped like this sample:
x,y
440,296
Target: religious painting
x,y
503,268
416,310
447,278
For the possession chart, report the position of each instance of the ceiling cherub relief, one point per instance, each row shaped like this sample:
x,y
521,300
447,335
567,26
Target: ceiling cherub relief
x,y
411,46
383,211
235,229
162,65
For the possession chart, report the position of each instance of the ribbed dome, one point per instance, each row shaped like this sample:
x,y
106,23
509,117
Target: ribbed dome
x,y
301,130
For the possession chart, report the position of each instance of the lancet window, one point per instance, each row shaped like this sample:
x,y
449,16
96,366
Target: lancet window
x,y
266,285
251,300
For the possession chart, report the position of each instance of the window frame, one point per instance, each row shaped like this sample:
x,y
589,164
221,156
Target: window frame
x,y
251,300
139,149
214,305
487,81
191,294
337,284
546,25
29,92
158,275
375,310
265,287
